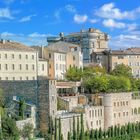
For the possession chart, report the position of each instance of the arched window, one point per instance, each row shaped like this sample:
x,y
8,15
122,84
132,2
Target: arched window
x,y
135,111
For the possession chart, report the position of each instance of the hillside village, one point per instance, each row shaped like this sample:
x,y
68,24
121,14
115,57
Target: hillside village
x,y
75,88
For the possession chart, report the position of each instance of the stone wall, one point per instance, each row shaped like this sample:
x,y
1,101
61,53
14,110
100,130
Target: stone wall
x,y
37,92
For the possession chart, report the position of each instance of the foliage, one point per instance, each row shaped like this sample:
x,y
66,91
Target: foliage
x,y
74,74
27,131
122,70
22,107
9,129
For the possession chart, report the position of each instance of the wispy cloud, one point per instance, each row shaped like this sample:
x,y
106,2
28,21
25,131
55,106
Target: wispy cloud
x,y
6,13
110,10
8,1
80,18
29,39
113,24
93,21
26,18
57,14
70,8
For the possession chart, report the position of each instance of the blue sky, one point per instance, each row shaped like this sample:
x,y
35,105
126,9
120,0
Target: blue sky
x,y
31,21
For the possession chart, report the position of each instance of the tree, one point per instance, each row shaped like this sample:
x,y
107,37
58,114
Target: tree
x,y
69,136
100,133
78,128
122,70
22,107
74,130
73,74
27,131
82,129
55,136
96,84
60,129
9,129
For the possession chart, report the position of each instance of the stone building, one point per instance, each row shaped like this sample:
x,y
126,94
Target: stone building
x,y
114,109
110,59
61,56
91,40
20,62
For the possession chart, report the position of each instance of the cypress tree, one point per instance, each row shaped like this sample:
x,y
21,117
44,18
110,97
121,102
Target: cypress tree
x,y
115,131
118,131
100,133
78,128
74,130
59,129
55,135
92,134
82,129
69,136
109,132
129,128
112,131
96,134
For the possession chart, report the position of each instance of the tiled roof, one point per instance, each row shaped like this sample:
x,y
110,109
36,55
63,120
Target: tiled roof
x,y
8,45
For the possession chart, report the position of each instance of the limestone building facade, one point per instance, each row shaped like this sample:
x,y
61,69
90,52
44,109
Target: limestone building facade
x,y
20,62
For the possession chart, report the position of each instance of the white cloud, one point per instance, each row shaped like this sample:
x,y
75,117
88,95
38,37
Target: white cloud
x,y
109,10
110,23
57,14
125,41
80,18
93,20
70,8
29,39
35,34
6,13
27,18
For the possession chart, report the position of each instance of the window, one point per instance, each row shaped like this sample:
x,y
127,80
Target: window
x,y
49,55
123,113
0,55
13,56
117,103
126,102
32,56
6,66
101,112
126,113
42,67
13,66
33,78
121,103
20,78
19,56
26,56
114,103
0,66
73,58
114,115
20,66
26,66
6,78
50,66
13,78
33,67
98,113
5,56
119,114
27,78
93,113
97,123
90,113
91,123
56,66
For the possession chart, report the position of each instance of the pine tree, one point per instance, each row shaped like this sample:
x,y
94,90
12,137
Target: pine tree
x,y
115,131
96,134
74,130
69,136
92,134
